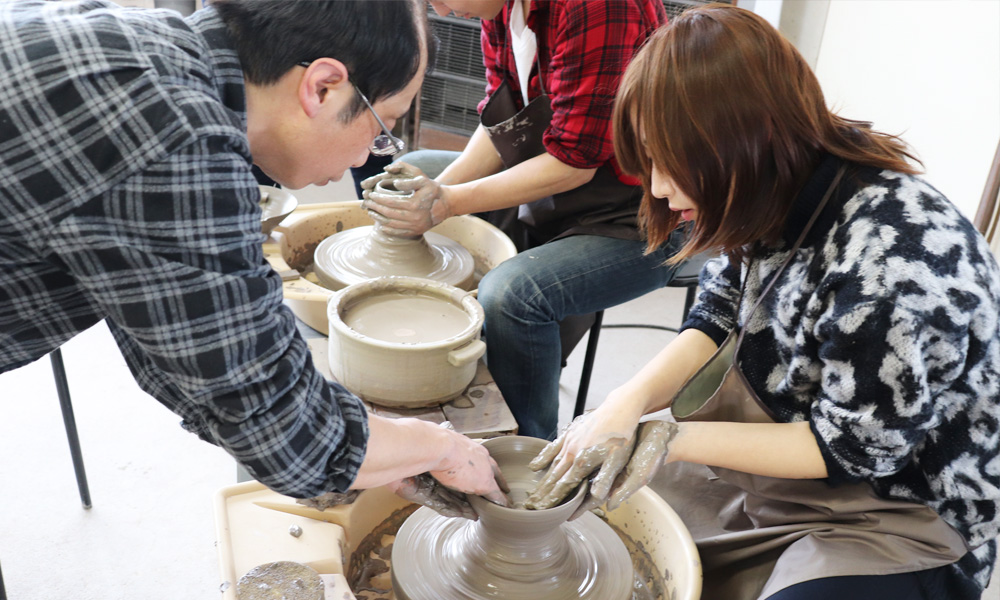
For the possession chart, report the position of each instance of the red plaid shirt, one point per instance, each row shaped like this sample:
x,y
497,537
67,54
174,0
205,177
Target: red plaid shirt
x,y
583,47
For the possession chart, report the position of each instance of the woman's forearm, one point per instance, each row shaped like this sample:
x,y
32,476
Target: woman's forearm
x,y
655,385
533,179
478,159
786,450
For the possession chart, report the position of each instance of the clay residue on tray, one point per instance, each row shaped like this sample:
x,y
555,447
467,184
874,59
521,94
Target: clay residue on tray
x,y
368,569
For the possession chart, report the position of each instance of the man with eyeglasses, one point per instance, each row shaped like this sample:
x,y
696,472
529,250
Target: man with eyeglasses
x,y
126,144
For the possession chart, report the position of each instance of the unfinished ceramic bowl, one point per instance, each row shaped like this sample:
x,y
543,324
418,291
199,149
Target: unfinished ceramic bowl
x,y
511,553
405,341
275,205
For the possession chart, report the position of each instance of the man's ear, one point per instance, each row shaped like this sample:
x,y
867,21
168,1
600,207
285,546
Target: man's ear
x,y
322,76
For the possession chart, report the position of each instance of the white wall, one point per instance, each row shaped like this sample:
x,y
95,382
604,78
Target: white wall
x,y
926,69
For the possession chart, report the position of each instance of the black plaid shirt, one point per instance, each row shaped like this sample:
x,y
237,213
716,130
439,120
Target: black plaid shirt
x,y
126,195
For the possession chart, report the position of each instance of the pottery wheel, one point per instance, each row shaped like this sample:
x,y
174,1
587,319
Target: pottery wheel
x,y
364,253
443,560
511,553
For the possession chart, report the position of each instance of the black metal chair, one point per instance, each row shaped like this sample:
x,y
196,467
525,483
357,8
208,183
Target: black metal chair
x,y
69,421
686,276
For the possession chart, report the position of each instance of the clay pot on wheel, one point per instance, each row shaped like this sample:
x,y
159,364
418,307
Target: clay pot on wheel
x,y
511,553
404,341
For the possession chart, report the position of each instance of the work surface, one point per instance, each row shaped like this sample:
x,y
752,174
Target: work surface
x,y
480,412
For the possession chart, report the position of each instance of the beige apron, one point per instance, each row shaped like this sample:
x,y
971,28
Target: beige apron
x,y
757,535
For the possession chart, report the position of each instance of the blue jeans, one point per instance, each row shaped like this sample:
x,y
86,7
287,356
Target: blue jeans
x,y
526,296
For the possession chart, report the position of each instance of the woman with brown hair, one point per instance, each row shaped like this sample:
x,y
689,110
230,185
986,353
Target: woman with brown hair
x,y
835,392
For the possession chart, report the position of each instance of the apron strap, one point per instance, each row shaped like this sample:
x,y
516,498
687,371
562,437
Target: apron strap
x,y
791,254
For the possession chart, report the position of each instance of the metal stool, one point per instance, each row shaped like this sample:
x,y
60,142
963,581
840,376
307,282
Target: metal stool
x,y
686,276
62,389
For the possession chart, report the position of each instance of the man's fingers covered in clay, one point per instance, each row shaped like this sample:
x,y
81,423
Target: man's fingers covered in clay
x,y
426,491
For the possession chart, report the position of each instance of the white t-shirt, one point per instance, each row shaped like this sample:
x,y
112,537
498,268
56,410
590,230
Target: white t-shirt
x,y
524,46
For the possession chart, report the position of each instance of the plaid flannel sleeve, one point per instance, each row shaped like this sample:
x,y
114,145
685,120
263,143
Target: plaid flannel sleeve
x,y
592,44
172,255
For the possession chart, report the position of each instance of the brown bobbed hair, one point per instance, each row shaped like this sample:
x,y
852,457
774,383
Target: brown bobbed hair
x,y
727,107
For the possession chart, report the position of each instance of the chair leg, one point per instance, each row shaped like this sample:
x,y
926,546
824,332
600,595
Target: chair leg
x,y
588,364
62,388
689,300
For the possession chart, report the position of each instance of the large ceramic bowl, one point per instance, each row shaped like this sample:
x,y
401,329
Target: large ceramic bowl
x,y
292,244
404,341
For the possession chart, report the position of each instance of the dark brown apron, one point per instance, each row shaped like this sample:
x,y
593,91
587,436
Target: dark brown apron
x,y
603,206
757,535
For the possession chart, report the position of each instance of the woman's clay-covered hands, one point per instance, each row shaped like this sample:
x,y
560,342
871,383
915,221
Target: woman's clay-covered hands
x,y
625,456
602,441
651,448
411,215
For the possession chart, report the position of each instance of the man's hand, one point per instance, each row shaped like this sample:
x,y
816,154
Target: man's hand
x,y
427,491
411,215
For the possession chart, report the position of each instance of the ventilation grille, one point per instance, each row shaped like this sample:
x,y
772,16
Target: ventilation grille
x,y
452,91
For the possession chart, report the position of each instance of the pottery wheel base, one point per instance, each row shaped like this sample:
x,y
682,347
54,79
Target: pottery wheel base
x,y
435,558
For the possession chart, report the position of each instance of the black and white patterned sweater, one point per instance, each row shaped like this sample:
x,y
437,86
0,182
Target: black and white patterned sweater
x,y
883,333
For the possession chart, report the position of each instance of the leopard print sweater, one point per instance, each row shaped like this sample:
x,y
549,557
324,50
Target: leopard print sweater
x,y
884,334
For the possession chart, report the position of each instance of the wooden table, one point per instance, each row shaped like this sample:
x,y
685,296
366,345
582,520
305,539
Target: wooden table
x,y
480,412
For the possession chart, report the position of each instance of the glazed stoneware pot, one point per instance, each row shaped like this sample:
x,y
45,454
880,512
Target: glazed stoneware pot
x,y
404,341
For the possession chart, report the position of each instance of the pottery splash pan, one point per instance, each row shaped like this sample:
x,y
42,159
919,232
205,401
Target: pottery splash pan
x,y
292,244
275,205
346,544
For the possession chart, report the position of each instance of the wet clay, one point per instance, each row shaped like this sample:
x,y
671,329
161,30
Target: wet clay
x,y
406,318
511,553
283,580
364,253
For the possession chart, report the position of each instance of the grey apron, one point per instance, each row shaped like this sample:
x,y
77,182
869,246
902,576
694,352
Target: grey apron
x,y
603,206
757,535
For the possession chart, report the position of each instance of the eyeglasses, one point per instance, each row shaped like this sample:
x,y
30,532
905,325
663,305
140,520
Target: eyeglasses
x,y
384,144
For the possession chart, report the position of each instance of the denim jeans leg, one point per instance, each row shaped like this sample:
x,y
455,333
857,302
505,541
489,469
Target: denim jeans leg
x,y
525,297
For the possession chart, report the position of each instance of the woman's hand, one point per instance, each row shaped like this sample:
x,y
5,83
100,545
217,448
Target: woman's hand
x,y
651,448
600,441
423,207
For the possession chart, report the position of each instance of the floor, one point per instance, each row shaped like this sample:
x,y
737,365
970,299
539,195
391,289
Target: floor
x,y
150,533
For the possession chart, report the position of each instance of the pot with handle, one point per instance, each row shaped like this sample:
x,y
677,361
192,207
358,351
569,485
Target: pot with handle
x,y
404,341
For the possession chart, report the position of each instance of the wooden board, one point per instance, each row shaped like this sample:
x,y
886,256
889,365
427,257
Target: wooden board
x,y
480,412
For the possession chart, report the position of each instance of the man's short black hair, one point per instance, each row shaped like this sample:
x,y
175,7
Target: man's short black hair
x,y
378,40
